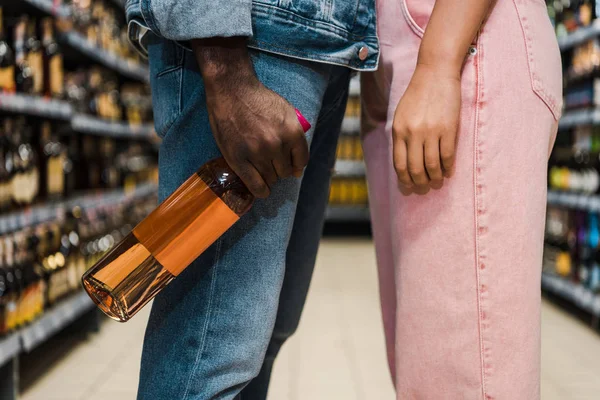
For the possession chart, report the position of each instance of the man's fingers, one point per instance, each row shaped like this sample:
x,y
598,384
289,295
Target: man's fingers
x,y
253,180
401,163
433,164
416,163
299,153
283,164
266,170
448,154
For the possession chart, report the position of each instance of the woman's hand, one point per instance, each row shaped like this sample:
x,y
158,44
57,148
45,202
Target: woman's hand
x,y
425,128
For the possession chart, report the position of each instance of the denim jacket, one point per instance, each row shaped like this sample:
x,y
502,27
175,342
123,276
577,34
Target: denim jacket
x,y
341,32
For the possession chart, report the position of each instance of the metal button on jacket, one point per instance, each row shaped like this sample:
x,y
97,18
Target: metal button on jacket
x,y
363,53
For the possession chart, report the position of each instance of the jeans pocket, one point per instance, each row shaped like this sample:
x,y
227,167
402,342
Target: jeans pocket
x,y
417,14
166,59
543,54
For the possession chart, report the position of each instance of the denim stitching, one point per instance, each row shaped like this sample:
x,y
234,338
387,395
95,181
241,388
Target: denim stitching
x,y
536,85
168,70
181,63
479,265
148,15
208,315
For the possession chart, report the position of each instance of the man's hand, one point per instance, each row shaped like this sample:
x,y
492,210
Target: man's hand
x,y
425,128
256,130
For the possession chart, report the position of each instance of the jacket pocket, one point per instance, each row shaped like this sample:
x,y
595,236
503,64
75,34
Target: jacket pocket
x,y
543,54
417,14
166,59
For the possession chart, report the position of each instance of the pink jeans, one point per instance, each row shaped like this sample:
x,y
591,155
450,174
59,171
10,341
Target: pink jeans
x,y
460,267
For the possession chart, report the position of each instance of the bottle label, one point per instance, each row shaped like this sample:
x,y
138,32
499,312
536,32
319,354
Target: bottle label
x,y
55,176
7,79
185,225
35,61
56,75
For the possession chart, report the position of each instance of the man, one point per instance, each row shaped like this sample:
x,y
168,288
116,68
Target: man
x,y
225,77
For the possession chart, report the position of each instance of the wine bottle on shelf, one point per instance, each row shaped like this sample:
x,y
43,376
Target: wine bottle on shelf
x,y
4,291
23,71
90,176
69,170
70,248
5,173
35,57
7,61
12,300
19,174
53,61
54,263
109,174
37,273
190,220
20,278
53,153
30,160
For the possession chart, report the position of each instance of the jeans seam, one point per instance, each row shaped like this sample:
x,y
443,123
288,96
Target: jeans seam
x,y
181,82
479,265
168,71
206,323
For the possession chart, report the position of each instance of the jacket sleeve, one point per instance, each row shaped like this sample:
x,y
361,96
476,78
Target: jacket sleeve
x,y
184,20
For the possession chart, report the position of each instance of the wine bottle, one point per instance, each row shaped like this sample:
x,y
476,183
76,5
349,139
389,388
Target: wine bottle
x,y
7,61
190,220
53,61
13,292
35,57
53,155
23,72
5,174
4,291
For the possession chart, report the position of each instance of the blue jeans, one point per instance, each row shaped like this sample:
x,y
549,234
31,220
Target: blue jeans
x,y
211,329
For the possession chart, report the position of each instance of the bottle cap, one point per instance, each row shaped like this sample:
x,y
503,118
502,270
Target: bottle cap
x,y
305,124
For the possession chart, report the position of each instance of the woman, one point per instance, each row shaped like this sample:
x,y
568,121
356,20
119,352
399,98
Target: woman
x,y
460,121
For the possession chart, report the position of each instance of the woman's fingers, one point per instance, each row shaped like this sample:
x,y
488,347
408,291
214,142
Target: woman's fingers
x,y
433,164
401,163
416,163
448,153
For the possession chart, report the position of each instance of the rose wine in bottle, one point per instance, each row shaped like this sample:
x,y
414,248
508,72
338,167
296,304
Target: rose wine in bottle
x,y
161,246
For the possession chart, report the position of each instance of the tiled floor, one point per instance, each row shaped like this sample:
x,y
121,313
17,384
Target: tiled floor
x,y
338,352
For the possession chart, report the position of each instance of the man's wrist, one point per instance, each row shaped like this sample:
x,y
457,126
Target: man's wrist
x,y
223,61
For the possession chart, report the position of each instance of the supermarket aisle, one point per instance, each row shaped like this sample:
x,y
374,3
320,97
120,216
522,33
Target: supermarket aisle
x,y
338,353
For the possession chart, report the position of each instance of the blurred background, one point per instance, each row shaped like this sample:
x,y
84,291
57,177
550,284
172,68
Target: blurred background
x,y
78,169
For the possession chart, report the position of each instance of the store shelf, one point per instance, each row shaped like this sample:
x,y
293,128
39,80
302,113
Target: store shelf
x,y
347,213
346,168
10,346
92,125
351,126
580,36
54,320
573,292
49,212
577,201
35,105
50,7
124,67
579,117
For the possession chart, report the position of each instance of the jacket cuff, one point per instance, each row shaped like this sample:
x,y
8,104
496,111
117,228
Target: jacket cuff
x,y
184,20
